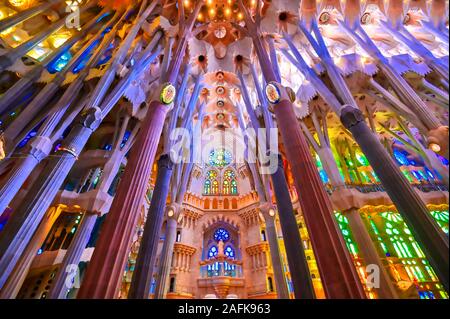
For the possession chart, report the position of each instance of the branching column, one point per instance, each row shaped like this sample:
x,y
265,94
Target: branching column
x,y
165,260
337,271
143,270
19,274
60,286
277,266
433,241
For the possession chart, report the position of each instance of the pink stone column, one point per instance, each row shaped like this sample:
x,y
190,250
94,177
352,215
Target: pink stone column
x,y
105,270
337,272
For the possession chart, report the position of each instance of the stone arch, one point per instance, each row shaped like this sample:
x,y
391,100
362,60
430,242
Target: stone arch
x,y
226,204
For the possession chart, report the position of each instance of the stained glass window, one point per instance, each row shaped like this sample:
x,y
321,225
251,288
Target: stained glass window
x,y
211,185
397,241
345,229
212,252
229,185
220,158
441,218
229,252
221,234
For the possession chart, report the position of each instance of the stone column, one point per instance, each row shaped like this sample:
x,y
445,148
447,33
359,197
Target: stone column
x,y
162,281
337,271
298,266
26,14
73,255
361,235
145,263
105,270
18,231
425,230
19,274
272,238
336,268
38,150
369,253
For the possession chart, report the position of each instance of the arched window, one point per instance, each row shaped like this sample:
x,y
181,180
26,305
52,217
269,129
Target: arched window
x,y
229,185
220,158
221,234
229,252
211,185
270,282
212,252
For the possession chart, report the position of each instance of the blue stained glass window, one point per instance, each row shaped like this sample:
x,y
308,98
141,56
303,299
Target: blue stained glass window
x,y
229,252
212,252
401,157
60,63
221,234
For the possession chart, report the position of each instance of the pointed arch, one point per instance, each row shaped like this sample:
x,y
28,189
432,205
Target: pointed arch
x,y
229,184
211,184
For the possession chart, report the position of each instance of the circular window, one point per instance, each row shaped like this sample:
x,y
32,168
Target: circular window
x,y
221,234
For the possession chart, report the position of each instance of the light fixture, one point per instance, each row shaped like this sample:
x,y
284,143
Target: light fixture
x,y
434,147
168,92
2,149
273,93
170,213
271,212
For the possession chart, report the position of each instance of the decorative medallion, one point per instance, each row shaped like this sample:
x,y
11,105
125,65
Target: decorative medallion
x,y
324,17
220,76
366,18
220,116
220,103
273,93
167,93
220,32
220,90
291,94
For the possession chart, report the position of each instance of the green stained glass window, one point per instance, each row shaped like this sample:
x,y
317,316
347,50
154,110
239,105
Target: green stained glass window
x,y
229,185
346,232
441,218
211,185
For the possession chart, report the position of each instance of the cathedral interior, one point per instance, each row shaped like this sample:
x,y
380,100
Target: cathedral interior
x,y
224,149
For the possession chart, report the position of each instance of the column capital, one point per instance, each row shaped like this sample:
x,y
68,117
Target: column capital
x,y
40,147
351,116
267,210
91,118
174,211
165,161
